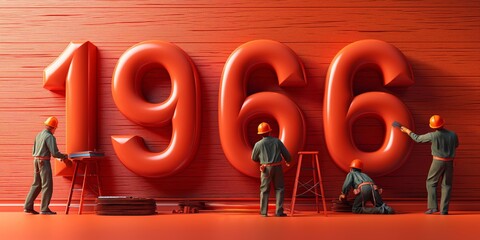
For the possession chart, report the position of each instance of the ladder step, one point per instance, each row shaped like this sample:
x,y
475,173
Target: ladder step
x,y
88,175
308,168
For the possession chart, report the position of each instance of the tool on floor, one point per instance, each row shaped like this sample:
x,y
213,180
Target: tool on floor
x,y
342,206
187,207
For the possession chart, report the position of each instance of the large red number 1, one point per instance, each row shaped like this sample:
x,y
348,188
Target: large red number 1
x,y
74,72
235,109
342,109
182,108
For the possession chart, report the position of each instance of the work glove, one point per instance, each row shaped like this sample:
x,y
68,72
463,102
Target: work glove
x,y
342,198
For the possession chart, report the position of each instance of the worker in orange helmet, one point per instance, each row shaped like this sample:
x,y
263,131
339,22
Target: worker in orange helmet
x,y
45,145
365,190
269,151
444,144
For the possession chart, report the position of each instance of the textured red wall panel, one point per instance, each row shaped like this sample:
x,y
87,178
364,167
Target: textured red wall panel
x,y
441,40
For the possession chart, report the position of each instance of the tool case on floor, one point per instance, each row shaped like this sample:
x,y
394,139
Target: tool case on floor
x,y
125,205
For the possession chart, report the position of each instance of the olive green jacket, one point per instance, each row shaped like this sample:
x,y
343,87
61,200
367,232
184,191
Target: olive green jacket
x,y
270,150
444,142
45,145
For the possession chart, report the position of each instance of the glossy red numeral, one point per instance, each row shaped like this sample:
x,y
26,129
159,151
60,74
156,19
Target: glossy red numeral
x,y
342,109
74,72
236,109
182,107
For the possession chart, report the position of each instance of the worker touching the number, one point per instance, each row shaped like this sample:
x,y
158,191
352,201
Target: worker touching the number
x,y
45,145
269,151
444,144
365,190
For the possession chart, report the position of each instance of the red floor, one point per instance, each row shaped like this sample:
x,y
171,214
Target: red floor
x,y
241,225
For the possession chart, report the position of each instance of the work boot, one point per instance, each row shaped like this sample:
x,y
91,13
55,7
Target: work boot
x,y
388,210
48,213
281,215
30,211
431,211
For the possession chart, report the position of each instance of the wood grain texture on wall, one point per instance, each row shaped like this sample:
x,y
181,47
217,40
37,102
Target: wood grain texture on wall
x,y
441,40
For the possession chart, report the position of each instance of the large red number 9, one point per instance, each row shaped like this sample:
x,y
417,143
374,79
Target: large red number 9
x,y
182,107
236,109
341,109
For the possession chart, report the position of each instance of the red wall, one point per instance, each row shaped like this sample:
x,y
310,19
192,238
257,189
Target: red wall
x,y
440,39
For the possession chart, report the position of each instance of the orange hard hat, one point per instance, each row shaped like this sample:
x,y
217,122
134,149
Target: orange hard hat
x,y
436,121
356,163
51,122
264,128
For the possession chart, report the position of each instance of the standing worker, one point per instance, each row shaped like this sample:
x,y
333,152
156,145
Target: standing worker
x,y
365,190
269,151
444,144
45,145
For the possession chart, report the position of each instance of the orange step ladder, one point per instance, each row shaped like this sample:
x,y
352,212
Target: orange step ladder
x,y
312,188
89,163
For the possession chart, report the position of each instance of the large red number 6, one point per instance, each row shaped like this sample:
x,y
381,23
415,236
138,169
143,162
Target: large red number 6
x,y
341,109
182,107
74,72
236,109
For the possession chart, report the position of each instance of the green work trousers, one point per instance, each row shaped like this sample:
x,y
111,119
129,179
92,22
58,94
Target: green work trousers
x,y
272,174
368,194
42,181
439,169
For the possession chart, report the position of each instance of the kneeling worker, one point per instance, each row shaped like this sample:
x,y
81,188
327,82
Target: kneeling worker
x,y
365,190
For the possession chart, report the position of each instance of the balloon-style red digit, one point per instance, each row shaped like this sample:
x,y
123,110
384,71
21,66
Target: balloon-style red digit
x,y
236,109
342,109
182,108
74,72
